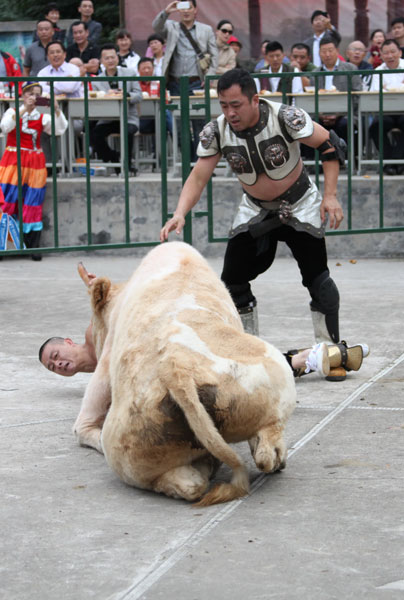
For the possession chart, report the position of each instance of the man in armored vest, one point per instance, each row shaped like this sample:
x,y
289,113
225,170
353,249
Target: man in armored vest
x,y
261,140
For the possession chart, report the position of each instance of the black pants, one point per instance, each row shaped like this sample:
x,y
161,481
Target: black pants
x,y
100,134
389,122
246,258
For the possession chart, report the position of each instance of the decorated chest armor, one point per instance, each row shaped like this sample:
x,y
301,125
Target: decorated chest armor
x,y
270,147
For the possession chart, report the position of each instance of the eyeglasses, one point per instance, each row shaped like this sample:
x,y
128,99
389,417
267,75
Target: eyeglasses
x,y
229,31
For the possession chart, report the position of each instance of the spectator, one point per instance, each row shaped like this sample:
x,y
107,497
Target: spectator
x,y
376,40
237,46
127,57
226,55
397,31
86,10
356,56
391,55
274,57
58,67
33,169
300,60
53,15
261,64
82,48
180,57
321,25
9,67
155,44
113,89
148,124
331,63
35,57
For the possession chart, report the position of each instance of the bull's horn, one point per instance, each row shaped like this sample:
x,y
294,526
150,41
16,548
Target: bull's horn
x,y
83,273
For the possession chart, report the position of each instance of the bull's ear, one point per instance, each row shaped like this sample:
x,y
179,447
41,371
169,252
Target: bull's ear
x,y
99,291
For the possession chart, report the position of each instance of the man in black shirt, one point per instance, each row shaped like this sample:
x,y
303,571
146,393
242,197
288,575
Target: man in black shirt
x,y
82,48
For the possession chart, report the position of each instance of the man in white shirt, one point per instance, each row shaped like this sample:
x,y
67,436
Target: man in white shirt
x,y
274,56
58,67
390,53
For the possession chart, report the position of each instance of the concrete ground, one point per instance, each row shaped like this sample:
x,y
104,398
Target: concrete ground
x,y
328,527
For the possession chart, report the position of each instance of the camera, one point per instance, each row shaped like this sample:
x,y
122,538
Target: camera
x,y
183,5
40,101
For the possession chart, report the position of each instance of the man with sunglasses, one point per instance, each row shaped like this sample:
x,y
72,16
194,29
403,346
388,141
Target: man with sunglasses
x,y
227,56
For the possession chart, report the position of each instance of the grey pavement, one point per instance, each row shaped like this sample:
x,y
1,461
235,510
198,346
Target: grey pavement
x,y
330,526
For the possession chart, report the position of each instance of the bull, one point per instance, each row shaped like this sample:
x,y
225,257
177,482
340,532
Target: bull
x,y
177,380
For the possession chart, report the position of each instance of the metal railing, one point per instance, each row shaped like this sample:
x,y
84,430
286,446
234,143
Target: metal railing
x,y
183,105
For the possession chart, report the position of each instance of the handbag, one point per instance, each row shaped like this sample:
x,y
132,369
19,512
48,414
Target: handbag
x,y
204,58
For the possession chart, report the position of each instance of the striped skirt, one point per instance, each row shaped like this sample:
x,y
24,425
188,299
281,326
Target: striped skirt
x,y
33,182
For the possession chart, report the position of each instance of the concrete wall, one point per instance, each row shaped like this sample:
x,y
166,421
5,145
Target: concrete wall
x,y
108,207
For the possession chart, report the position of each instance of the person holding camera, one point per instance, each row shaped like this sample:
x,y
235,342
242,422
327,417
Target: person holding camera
x,y
33,170
191,51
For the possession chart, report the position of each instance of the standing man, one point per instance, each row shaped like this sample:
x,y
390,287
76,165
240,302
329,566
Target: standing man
x,y
390,53
83,48
274,56
180,57
113,89
86,10
261,142
35,57
321,25
397,31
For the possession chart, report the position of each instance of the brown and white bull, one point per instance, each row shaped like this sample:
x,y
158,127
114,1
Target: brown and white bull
x,y
177,379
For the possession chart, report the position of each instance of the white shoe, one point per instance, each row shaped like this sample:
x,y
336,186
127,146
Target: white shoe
x,y
318,360
365,349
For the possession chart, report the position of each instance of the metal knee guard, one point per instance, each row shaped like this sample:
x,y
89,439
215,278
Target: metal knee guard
x,y
325,306
249,318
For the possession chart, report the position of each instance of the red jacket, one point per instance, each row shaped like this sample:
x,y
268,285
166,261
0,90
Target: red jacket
x,y
12,68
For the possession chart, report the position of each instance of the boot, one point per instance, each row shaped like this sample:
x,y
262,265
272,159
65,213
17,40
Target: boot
x,y
249,318
343,359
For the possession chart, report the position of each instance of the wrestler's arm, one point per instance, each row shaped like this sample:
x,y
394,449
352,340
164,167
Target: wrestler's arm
x,y
191,193
330,203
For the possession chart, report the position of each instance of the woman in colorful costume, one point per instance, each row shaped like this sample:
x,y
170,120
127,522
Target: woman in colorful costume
x,y
33,168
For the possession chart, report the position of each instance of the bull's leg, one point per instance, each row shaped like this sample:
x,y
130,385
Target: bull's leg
x,y
94,408
182,482
269,449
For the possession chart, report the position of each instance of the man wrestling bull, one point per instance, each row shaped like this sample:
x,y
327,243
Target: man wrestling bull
x,y
65,357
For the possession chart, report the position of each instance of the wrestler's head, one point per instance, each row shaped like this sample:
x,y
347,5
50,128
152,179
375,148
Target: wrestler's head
x,y
238,99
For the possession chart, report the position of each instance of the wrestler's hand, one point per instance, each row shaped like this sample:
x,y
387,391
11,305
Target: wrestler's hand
x,y
331,206
177,222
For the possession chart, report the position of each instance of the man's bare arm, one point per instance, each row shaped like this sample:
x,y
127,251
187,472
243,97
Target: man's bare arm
x,y
330,203
190,195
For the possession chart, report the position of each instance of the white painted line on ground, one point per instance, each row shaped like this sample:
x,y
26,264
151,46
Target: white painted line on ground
x,y
143,583
36,422
325,408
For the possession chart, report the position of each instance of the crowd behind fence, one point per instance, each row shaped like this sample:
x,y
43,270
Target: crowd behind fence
x,y
358,107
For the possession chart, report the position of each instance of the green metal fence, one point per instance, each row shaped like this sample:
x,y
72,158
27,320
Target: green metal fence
x,y
183,105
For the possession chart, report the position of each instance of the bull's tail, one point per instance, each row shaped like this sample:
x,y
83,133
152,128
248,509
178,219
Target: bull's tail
x,y
183,390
